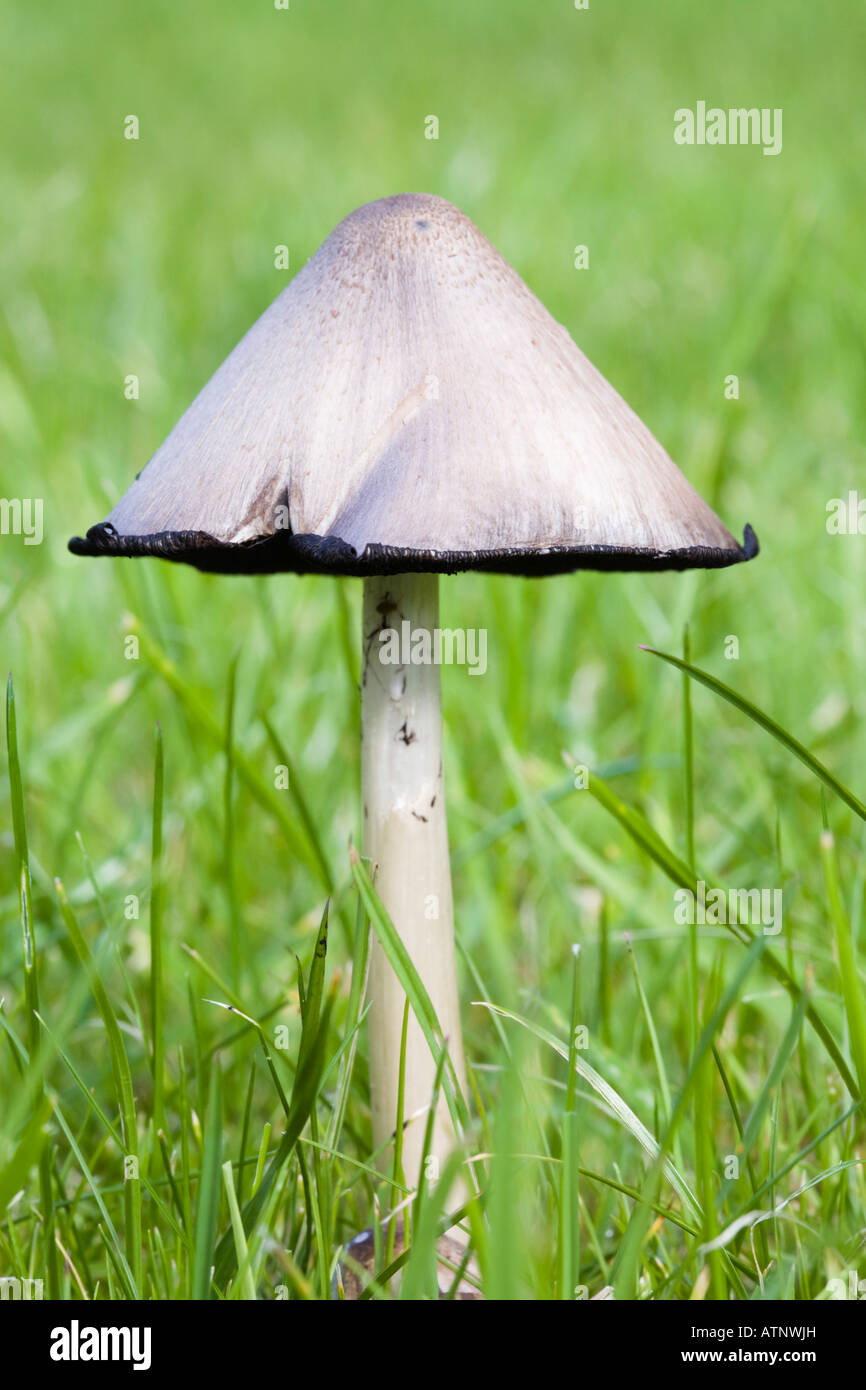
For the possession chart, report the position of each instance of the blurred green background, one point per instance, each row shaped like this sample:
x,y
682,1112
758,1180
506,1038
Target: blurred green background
x,y
261,127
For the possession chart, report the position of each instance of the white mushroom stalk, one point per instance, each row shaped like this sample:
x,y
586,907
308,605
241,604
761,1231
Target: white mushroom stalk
x,y
406,838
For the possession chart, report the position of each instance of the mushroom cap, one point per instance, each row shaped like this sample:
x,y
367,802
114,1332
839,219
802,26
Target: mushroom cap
x,y
405,404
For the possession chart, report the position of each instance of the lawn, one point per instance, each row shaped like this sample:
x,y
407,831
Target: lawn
x,y
700,1135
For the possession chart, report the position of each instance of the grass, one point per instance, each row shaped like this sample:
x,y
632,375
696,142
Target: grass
x,y
177,998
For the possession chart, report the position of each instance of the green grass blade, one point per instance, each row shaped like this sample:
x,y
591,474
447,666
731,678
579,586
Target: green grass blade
x,y
157,981
505,1276
705,1156
569,1186
398,1175
229,867
852,986
245,1130
314,993
300,801
354,1014
413,987
615,1102
770,1085
628,1255
658,1055
304,1093
421,1276
122,1081
242,1254
311,1006
31,975
678,872
248,774
27,1150
209,1189
113,1245
765,722
689,789
116,1135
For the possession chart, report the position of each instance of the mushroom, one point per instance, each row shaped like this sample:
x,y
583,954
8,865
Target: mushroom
x,y
407,408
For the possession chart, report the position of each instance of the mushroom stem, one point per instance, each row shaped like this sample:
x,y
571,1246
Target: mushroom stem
x,y
406,838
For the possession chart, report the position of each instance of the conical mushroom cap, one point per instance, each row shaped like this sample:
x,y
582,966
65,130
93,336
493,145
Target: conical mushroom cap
x,y
407,403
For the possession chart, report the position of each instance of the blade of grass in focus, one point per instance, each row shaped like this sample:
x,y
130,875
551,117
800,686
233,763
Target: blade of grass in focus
x,y
787,740
157,979
209,1189
31,976
123,1085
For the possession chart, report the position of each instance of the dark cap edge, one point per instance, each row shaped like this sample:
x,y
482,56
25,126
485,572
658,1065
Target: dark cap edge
x,y
288,553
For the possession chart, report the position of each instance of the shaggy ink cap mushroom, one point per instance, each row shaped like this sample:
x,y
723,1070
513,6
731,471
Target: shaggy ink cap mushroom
x,y
405,408
407,404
